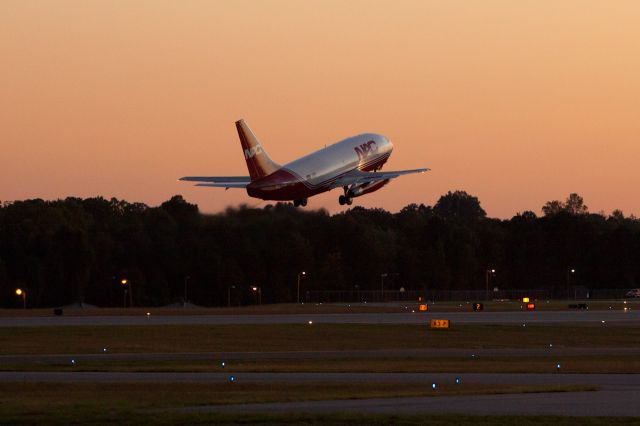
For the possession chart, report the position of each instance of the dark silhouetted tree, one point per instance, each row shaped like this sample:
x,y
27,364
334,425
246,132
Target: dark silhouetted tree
x,y
459,205
72,250
552,207
575,205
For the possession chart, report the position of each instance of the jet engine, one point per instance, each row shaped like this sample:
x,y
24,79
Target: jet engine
x,y
366,188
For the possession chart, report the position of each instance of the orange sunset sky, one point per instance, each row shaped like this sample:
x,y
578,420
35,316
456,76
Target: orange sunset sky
x,y
516,102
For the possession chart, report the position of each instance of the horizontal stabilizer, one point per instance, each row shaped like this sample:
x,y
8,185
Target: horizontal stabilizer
x,y
224,185
217,179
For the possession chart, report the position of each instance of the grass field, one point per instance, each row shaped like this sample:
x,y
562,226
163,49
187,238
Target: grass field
x,y
153,402
301,337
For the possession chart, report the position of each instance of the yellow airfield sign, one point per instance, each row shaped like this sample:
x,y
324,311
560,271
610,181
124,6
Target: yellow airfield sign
x,y
439,323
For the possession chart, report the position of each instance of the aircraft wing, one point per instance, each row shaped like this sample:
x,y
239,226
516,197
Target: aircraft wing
x,y
219,181
358,177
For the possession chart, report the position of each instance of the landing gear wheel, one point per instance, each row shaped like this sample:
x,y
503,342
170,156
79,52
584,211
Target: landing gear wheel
x,y
303,202
346,198
296,203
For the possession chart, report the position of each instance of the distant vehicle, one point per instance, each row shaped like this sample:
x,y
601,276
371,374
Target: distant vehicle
x,y
634,292
352,164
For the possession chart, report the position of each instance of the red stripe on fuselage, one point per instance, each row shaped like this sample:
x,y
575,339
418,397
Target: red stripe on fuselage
x,y
280,186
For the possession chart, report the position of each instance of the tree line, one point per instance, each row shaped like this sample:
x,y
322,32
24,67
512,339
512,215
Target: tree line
x,y
79,250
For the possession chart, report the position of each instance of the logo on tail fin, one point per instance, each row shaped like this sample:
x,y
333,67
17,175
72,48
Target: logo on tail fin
x,y
258,165
252,152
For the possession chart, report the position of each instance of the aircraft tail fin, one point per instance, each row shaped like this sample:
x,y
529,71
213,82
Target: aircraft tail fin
x,y
258,161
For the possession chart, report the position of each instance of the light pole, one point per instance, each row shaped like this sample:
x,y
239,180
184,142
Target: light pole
x,y
184,300
489,273
229,295
258,291
570,273
303,273
23,293
382,276
124,286
127,288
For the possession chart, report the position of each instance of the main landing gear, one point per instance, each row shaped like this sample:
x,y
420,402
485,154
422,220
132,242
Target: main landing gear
x,y
346,198
298,203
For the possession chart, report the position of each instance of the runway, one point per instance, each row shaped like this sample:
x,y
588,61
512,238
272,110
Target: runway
x,y
606,381
485,317
30,359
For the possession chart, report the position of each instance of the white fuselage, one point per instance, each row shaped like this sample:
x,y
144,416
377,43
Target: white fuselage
x,y
341,157
314,173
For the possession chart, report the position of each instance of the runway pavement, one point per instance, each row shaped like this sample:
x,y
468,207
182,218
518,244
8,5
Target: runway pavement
x,y
485,317
32,359
617,382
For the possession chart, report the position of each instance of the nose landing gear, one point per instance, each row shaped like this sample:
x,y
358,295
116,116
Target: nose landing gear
x,y
298,203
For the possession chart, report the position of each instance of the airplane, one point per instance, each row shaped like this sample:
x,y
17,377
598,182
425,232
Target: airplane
x,y
352,164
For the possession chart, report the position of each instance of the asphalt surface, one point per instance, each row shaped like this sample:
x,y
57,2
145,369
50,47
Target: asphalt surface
x,y
484,317
35,359
606,381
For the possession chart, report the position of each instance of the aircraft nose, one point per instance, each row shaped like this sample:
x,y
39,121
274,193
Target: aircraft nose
x,y
389,144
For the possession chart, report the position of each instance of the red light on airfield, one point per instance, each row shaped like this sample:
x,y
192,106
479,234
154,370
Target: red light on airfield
x,y
531,306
